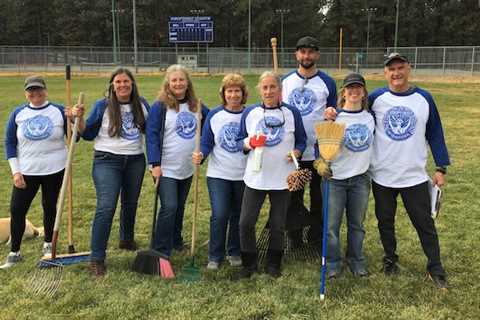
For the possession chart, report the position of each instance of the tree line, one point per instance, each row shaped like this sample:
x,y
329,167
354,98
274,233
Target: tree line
x,y
89,23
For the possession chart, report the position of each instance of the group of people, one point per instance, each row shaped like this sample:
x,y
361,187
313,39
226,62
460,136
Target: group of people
x,y
250,154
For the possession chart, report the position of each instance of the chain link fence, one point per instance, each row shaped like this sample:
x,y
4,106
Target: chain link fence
x,y
424,60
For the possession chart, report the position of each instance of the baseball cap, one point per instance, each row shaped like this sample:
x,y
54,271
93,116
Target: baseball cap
x,y
307,42
35,82
395,56
353,78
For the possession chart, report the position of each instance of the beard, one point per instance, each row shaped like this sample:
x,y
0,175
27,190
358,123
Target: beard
x,y
307,64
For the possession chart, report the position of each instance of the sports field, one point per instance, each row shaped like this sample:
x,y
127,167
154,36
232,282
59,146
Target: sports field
x,y
123,294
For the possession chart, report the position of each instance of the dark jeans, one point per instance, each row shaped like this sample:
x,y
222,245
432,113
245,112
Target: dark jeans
x,y
226,201
168,232
113,175
298,208
251,205
416,200
22,199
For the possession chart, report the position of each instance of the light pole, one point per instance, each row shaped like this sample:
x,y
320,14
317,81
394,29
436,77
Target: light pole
x,y
249,63
396,25
135,48
281,12
197,12
369,11
114,25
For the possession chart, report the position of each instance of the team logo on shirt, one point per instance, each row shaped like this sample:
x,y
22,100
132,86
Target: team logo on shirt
x,y
186,125
304,99
37,128
228,137
399,123
357,137
272,128
129,129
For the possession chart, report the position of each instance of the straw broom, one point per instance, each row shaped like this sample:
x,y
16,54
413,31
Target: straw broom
x,y
329,136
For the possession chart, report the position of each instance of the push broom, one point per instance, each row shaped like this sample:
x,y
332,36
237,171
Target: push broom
x,y
191,272
329,136
151,261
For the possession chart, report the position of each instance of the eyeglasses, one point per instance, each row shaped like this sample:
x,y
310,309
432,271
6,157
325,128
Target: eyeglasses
x,y
270,122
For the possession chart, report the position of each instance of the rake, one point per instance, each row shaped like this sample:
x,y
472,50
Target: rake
x,y
330,136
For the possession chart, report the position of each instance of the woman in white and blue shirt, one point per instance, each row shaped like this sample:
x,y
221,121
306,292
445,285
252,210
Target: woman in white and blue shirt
x,y
117,125
173,117
35,149
278,129
226,167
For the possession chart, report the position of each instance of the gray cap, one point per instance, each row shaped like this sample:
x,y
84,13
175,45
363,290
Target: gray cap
x,y
353,78
395,56
307,42
35,82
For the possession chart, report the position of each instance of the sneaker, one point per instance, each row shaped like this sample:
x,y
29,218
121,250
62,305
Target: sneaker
x,y
440,281
47,249
235,261
129,245
332,274
12,259
390,267
362,273
98,268
213,265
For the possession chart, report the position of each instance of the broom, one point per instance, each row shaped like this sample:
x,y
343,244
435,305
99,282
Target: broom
x,y
191,272
151,261
330,136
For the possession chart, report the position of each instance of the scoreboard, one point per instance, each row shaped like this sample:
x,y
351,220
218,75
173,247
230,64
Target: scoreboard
x,y
190,29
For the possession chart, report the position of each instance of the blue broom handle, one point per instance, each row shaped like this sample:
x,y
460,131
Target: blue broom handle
x,y
325,196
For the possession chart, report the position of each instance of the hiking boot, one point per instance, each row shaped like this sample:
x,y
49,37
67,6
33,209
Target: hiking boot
x,y
47,249
390,267
274,262
12,259
235,261
213,265
98,268
249,266
439,280
129,245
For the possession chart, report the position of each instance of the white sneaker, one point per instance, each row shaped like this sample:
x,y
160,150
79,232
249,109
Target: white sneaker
x,y
47,249
213,265
235,261
12,259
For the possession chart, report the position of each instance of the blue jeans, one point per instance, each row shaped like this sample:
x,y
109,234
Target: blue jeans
x,y
168,231
113,175
350,195
226,201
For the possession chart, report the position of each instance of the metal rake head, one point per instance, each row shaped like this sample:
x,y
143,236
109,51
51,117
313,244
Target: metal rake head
x,y
46,279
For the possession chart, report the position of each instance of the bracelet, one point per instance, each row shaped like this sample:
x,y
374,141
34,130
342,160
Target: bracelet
x,y
442,170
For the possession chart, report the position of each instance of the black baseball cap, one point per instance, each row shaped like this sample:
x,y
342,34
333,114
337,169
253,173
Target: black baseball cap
x,y
34,82
353,78
307,42
395,56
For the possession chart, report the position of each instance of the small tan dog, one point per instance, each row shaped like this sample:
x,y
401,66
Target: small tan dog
x,y
30,230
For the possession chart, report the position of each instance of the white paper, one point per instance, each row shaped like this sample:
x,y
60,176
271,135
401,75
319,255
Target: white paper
x,y
435,198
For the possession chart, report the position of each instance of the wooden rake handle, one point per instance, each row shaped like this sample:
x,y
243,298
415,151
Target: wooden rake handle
x,y
273,41
196,176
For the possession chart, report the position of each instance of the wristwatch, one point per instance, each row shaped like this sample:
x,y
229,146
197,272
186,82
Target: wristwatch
x,y
442,170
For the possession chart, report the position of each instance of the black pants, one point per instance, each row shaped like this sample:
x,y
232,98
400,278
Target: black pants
x,y
22,199
416,200
297,208
251,204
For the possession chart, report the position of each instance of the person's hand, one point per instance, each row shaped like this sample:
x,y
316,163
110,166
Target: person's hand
x,y
19,181
330,113
323,168
197,157
77,110
297,154
156,173
257,141
438,179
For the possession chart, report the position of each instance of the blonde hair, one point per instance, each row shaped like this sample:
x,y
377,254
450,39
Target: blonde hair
x,y
233,80
267,74
166,95
341,98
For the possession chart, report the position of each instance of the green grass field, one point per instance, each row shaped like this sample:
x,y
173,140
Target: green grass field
x,y
123,294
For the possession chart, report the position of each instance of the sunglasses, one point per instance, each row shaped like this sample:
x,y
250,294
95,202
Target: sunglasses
x,y
272,123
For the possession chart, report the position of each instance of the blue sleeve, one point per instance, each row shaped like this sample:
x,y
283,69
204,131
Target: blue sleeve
x,y
434,133
243,127
94,120
11,135
154,133
300,135
145,103
316,151
207,142
205,112
332,89
64,117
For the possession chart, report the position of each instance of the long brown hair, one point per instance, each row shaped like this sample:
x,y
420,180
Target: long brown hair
x,y
341,99
113,106
166,95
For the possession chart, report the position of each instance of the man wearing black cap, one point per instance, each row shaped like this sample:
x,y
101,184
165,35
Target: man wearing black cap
x,y
407,119
310,91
